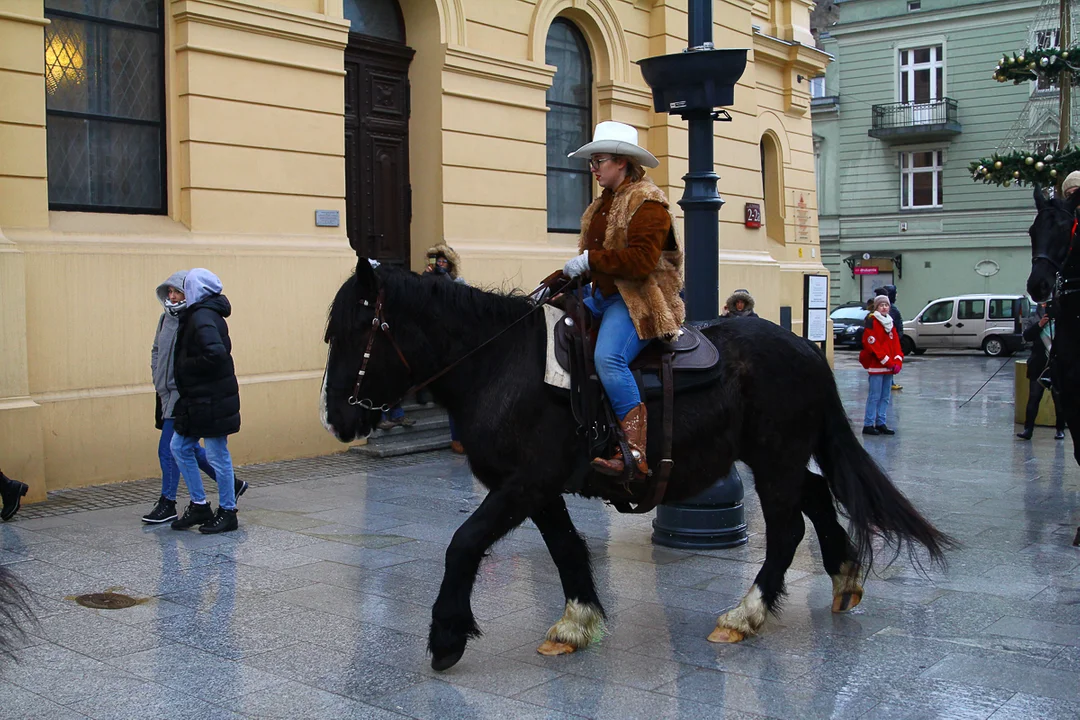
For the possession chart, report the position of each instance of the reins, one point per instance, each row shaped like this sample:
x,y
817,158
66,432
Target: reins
x,y
546,291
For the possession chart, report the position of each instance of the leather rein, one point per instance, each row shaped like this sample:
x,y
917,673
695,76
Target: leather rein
x,y
550,286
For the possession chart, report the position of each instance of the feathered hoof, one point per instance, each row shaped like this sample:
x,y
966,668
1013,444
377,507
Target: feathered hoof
x,y
551,648
846,601
726,635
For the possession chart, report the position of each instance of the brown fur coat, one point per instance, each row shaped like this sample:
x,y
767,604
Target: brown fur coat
x,y
654,303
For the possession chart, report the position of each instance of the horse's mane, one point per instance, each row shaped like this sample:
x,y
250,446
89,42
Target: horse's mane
x,y
427,298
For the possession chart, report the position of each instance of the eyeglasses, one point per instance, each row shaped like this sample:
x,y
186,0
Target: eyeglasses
x,y
595,163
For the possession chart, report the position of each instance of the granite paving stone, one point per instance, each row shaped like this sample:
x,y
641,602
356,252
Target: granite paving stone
x,y
320,605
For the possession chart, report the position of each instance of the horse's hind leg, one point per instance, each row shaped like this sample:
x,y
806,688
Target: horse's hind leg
x,y
784,530
583,620
452,622
837,551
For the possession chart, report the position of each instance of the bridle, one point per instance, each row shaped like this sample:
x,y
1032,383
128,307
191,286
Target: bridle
x,y
547,290
377,325
1054,263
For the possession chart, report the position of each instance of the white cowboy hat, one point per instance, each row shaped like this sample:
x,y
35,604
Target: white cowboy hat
x,y
618,139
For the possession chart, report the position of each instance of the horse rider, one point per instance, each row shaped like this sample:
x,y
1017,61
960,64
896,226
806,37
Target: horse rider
x,y
629,245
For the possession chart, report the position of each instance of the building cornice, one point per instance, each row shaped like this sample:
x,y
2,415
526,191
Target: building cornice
x,y
466,61
281,23
912,23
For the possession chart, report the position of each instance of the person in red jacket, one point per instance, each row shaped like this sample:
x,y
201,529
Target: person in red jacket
x,y
882,357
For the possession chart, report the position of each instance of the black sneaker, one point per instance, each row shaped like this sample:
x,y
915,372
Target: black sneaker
x,y
1059,435
1026,435
884,430
194,515
11,491
239,487
164,511
223,521
870,430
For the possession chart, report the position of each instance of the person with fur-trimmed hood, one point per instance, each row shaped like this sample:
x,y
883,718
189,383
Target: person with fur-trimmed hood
x,y
442,260
739,304
629,246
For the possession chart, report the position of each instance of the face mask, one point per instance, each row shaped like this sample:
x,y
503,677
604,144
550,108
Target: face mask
x,y
175,308
441,270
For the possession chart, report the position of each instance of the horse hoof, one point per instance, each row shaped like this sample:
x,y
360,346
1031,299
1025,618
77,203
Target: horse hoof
x,y
846,601
445,662
725,635
551,648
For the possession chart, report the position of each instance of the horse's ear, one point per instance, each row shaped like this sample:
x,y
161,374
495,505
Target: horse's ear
x,y
1040,199
365,276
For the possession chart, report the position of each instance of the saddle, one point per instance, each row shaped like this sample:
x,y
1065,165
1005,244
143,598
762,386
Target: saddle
x,y
662,370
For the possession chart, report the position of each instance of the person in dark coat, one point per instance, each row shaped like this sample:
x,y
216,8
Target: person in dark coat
x,y
1039,331
209,403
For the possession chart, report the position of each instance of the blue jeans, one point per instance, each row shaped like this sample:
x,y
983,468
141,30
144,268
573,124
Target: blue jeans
x,y
170,472
395,413
878,399
616,347
217,453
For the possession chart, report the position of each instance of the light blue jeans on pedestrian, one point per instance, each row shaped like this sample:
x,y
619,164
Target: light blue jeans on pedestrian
x,y
616,347
878,399
170,471
217,452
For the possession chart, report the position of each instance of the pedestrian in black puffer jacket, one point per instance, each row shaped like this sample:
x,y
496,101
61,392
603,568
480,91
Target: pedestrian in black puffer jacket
x,y
209,404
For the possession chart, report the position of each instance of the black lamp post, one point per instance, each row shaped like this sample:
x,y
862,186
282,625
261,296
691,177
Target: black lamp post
x,y
693,84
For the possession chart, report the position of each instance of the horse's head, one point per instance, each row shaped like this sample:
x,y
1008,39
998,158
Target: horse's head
x,y
1051,233
355,388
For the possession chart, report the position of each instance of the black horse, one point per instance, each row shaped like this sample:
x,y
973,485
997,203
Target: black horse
x,y
1055,276
775,407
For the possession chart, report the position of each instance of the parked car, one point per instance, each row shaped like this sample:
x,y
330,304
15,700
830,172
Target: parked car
x,y
987,322
849,320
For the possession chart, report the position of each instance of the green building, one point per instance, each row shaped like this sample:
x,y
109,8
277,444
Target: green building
x,y
907,104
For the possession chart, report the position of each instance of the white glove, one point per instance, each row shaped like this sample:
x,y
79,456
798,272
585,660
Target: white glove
x,y
576,265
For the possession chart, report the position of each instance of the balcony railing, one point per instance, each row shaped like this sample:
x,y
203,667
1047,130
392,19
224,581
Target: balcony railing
x,y
935,120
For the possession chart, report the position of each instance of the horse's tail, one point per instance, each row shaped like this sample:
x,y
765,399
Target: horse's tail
x,y
14,610
871,501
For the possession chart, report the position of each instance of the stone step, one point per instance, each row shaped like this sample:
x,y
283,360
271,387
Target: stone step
x,y
404,444
422,423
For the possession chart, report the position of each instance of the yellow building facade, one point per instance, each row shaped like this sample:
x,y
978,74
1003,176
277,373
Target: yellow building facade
x,y
271,141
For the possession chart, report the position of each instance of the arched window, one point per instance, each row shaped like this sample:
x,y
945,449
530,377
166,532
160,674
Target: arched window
x,y
772,187
569,125
105,105
375,18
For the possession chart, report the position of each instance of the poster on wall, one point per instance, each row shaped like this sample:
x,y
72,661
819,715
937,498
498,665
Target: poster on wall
x,y
816,308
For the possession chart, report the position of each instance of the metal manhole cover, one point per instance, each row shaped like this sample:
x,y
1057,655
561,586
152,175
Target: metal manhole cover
x,y
106,601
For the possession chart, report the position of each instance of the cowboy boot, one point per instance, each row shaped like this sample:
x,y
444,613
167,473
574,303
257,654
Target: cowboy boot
x,y
634,428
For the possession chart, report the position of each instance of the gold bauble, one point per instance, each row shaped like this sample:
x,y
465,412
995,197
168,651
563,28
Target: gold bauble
x,y
997,165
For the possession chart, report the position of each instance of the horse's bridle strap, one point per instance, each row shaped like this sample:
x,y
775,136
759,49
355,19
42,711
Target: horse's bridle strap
x,y
377,325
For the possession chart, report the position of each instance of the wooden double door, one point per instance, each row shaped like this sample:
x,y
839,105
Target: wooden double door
x,y
378,195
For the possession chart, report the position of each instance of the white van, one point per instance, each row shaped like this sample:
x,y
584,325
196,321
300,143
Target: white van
x,y
987,322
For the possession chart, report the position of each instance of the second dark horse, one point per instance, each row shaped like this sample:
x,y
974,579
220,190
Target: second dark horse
x,y
775,408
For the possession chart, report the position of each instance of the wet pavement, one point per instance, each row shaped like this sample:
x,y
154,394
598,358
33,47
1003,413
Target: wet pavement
x,y
318,607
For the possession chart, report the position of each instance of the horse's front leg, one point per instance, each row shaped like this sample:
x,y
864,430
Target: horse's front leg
x,y
583,619
452,622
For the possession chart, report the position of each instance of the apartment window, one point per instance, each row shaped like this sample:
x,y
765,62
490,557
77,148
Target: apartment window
x,y
920,179
105,105
922,75
569,126
817,87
